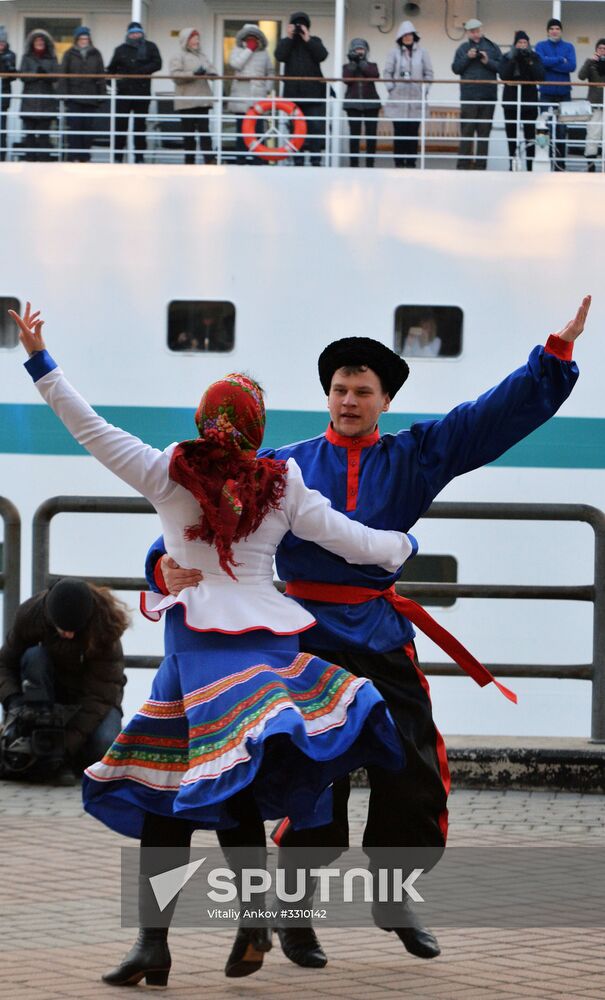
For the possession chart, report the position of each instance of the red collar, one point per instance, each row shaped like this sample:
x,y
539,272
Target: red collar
x,y
352,442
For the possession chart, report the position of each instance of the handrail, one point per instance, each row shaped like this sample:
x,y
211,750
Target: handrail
x,y
595,593
10,577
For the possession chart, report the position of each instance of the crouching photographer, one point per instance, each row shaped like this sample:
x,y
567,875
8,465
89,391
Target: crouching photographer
x,y
61,682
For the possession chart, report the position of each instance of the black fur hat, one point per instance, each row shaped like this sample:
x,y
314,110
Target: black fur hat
x,y
390,368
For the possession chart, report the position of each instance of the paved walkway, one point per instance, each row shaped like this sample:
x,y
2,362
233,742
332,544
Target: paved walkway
x,y
60,920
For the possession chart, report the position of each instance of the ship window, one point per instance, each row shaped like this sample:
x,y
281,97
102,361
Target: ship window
x,y
8,331
428,331
201,326
432,569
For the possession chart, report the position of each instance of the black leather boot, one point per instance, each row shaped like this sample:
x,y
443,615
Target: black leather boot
x,y
301,944
416,939
149,957
249,949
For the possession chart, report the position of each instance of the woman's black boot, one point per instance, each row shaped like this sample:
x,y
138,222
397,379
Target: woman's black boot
x,y
249,949
149,958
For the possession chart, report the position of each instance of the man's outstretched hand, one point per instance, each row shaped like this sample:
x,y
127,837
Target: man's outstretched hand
x,y
574,328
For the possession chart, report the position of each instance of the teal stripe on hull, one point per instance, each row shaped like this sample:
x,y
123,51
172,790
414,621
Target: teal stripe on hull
x,y
562,443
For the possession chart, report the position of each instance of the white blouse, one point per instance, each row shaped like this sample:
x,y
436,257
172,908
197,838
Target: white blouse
x,y
219,603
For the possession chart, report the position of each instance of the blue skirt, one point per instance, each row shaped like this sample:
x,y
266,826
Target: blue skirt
x,y
229,711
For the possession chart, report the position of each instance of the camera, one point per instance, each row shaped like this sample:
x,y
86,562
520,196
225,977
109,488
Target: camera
x,y
33,740
298,30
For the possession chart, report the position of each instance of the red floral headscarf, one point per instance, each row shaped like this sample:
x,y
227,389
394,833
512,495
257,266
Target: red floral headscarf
x,y
233,487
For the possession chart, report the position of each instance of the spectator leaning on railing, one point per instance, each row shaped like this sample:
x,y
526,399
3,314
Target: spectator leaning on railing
x,y
361,102
406,64
8,64
84,93
559,59
39,106
249,58
478,60
190,70
302,54
519,100
136,57
593,70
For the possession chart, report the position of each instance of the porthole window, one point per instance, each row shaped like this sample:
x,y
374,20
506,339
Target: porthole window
x,y
428,331
201,326
432,569
9,336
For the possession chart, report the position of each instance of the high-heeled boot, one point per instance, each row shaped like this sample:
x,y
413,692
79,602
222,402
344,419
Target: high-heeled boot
x,y
149,957
251,943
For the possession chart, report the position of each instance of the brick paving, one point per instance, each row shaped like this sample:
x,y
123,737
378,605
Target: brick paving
x,y
60,915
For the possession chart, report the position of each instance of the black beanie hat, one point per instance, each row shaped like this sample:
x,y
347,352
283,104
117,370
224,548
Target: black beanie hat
x,y
299,17
520,34
391,369
554,22
69,605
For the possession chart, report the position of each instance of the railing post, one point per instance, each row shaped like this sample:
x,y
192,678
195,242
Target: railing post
x,y
598,640
219,121
11,568
112,121
423,91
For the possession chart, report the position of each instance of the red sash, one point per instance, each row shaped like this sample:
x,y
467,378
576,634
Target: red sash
x,y
333,593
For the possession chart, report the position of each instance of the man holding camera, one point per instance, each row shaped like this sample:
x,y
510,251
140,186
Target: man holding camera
x,y
61,682
302,55
524,65
593,70
476,60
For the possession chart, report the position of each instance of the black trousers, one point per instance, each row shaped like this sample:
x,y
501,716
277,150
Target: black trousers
x,y
475,120
527,115
81,127
4,106
315,139
405,142
358,119
407,808
139,108
37,138
194,121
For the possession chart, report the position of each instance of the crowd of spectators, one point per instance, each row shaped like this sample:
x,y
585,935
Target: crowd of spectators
x,y
537,79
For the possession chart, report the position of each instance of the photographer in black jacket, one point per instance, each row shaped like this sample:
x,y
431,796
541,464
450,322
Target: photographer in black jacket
x,y
520,100
135,57
8,64
302,54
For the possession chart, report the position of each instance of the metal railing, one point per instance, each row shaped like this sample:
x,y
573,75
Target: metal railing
x,y
10,576
594,593
410,130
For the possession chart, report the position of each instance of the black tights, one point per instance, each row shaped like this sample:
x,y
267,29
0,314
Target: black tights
x,y
169,831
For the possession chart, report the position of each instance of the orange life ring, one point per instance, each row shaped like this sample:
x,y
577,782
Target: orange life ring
x,y
292,144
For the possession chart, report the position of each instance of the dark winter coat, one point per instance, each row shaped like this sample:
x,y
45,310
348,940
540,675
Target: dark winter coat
x,y
361,92
31,63
302,58
521,64
75,62
8,64
94,682
132,59
594,72
485,89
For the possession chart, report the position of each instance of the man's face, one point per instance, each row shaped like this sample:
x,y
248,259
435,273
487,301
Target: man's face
x,y
522,44
554,33
475,35
135,35
600,50
356,401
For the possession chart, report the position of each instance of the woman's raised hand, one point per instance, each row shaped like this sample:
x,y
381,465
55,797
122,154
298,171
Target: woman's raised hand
x,y
30,329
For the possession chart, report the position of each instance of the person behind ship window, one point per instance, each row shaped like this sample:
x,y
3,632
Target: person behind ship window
x,y
38,103
135,57
521,64
249,58
84,95
593,70
559,60
407,64
302,54
61,682
8,64
477,59
190,70
421,340
361,103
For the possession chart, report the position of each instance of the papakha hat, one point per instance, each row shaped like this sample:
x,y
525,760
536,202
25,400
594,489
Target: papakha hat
x,y
390,367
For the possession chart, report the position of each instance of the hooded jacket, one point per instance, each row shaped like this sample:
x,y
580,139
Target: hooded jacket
x,y
594,72
559,60
248,63
302,58
95,683
402,69
32,63
190,91
8,64
361,93
486,74
92,63
143,58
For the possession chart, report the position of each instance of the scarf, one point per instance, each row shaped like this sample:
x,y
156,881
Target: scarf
x,y
234,488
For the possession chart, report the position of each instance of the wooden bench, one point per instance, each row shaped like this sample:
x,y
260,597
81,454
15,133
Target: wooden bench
x,y
442,131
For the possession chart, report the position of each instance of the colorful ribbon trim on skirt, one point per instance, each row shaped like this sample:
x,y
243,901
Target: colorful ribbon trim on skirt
x,y
333,593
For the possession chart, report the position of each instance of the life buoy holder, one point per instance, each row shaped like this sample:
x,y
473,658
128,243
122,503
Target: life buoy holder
x,y
257,145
